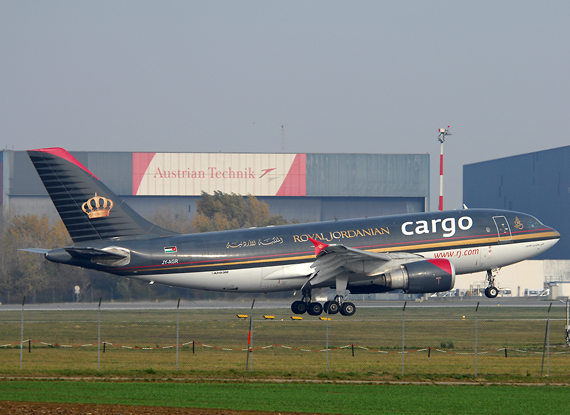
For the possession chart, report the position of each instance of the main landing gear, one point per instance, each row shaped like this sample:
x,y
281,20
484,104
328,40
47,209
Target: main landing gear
x,y
491,291
345,308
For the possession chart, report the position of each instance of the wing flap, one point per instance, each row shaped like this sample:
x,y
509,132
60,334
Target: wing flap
x,y
323,277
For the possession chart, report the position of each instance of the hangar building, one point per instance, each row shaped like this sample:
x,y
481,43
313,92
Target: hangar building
x,y
536,183
305,187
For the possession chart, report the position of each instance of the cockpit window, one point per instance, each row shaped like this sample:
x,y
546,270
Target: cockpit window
x,y
534,223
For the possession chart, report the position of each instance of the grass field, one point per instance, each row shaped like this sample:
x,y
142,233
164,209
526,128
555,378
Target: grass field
x,y
301,397
439,342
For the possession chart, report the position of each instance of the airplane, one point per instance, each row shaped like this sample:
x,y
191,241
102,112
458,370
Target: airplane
x,y
414,253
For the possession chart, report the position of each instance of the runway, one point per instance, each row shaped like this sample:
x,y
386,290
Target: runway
x,y
261,303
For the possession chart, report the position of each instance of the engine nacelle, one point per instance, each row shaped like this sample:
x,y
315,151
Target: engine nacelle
x,y
429,276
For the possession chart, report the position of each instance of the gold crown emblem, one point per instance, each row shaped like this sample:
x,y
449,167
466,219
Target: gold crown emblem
x,y
97,207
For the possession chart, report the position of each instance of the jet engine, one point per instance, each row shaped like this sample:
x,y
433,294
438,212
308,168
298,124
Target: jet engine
x,y
429,276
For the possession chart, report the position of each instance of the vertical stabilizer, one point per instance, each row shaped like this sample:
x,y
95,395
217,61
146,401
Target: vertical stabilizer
x,y
88,208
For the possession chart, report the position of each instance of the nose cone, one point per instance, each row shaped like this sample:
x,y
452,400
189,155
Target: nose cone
x,y
551,239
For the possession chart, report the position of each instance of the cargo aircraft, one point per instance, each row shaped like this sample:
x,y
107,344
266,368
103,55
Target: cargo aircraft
x,y
414,253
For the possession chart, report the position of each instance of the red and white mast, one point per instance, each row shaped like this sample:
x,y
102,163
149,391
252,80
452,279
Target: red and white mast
x,y
443,132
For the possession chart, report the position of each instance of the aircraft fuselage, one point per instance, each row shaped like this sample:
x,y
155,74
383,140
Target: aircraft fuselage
x,y
279,258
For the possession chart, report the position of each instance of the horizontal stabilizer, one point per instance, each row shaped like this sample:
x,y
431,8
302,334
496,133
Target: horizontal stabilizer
x,y
36,250
94,253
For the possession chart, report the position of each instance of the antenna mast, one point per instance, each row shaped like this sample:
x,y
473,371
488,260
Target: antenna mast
x,y
443,132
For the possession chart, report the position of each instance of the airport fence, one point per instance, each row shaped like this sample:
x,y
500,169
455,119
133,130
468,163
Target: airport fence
x,y
466,338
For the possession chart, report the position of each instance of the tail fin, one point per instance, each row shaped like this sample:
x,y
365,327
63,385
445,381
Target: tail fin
x,y
88,208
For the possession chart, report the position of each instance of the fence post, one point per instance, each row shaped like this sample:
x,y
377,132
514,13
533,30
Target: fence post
x,y
567,322
99,335
177,330
476,336
327,340
22,332
403,335
546,347
250,340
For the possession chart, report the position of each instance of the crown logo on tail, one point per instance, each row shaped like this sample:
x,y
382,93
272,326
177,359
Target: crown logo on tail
x,y
97,207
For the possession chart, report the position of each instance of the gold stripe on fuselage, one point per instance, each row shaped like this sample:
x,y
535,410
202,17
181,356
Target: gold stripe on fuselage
x,y
475,241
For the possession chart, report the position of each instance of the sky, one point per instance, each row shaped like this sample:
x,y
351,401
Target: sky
x,y
293,76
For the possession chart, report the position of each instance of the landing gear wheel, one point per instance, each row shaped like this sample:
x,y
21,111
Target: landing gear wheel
x,y
331,307
491,292
314,309
299,307
347,309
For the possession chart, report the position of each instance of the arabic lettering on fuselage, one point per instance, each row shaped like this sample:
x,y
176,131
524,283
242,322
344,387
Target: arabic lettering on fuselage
x,y
270,241
240,244
352,233
262,242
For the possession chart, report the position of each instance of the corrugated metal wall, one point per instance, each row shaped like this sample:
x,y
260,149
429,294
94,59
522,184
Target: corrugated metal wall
x,y
339,186
366,175
113,169
22,176
383,175
536,183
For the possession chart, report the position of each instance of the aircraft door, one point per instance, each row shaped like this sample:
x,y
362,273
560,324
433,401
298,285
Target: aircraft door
x,y
503,229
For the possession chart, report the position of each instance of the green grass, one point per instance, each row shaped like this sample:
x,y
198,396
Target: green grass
x,y
301,397
379,329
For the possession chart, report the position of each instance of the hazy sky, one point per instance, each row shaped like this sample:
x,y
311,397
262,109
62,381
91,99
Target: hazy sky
x,y
342,77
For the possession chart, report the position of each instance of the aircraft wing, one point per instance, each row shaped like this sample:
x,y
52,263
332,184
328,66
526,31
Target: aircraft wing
x,y
335,260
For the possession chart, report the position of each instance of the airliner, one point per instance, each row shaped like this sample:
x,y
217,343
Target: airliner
x,y
414,253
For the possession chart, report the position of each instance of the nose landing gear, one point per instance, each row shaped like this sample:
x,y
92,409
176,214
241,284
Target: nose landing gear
x,y
491,291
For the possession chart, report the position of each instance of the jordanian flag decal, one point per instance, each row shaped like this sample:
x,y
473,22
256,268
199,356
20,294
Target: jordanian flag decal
x,y
170,250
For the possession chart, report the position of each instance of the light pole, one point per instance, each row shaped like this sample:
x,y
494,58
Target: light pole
x,y
443,132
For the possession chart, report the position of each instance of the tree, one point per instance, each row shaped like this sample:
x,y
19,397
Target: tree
x,y
223,211
26,273
174,220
